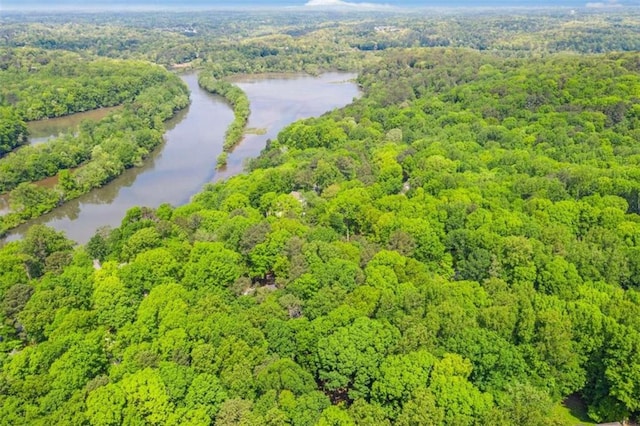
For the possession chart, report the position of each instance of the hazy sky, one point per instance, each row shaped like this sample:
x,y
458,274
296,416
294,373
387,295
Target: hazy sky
x,y
310,4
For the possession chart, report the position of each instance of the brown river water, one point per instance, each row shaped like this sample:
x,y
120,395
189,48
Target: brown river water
x,y
179,168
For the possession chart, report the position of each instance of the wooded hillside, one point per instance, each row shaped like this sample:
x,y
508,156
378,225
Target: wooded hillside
x,y
459,246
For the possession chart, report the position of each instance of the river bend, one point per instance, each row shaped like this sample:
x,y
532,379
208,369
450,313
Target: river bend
x,y
179,168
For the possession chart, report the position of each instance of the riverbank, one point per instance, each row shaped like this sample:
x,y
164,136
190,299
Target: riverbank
x,y
185,161
41,131
100,151
241,110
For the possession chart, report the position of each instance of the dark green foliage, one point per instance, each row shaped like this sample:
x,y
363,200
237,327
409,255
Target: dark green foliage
x,y
42,84
29,200
240,103
39,244
13,130
99,152
461,248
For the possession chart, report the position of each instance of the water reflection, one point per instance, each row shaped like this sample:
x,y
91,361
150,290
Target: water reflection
x,y
278,100
44,130
186,160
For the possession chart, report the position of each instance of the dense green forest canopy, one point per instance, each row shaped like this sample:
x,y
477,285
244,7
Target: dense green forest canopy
x,y
13,129
45,84
36,83
459,246
266,41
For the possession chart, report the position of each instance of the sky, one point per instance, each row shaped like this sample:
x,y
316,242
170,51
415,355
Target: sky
x,y
306,4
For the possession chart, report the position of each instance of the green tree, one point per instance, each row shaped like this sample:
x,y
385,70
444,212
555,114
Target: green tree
x,y
285,374
106,405
422,410
211,265
146,398
399,377
13,131
39,243
347,360
207,393
111,301
526,405
461,402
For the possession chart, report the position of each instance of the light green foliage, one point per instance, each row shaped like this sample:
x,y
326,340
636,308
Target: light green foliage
x,y
142,240
83,361
12,271
39,244
211,265
526,405
368,414
285,374
422,409
177,379
149,269
310,135
206,393
162,310
237,412
146,398
307,409
186,417
335,416
553,340
461,402
111,301
400,376
347,359
615,393
105,405
31,201
348,212
458,246
496,362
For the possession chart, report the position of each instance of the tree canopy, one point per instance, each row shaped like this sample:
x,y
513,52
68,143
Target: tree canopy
x,y
459,246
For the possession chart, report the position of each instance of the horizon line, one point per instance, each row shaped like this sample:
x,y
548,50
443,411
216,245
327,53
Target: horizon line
x,y
146,8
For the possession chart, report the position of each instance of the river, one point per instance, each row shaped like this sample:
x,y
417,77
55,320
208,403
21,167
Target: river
x,y
179,168
42,131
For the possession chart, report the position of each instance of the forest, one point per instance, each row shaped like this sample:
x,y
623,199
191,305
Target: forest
x,y
459,246
38,84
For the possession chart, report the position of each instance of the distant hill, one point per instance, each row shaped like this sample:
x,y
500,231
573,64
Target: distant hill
x,y
158,4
